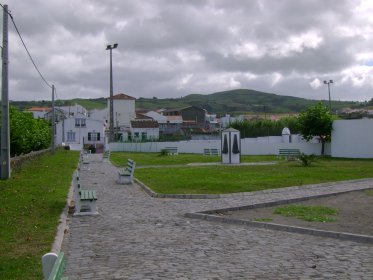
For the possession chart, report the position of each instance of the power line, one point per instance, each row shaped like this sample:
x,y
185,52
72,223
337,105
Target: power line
x,y
24,45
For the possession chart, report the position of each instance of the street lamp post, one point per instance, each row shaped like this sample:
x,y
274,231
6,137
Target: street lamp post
x,y
111,116
330,103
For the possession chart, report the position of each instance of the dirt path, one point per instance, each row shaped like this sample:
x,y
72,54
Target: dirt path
x,y
355,213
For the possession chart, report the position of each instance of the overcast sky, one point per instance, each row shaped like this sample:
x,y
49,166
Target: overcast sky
x,y
171,48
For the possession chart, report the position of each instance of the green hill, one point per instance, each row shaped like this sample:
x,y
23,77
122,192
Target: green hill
x,y
240,101
234,102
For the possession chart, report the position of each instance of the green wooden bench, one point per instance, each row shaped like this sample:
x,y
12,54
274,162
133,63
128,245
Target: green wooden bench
x,y
215,152
125,175
211,152
85,200
171,150
53,266
106,156
289,153
84,160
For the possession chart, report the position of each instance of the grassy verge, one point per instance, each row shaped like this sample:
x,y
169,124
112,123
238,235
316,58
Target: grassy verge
x,y
31,203
308,213
143,159
230,179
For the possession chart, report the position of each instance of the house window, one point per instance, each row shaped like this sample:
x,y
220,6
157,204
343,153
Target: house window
x,y
79,122
143,135
93,136
70,136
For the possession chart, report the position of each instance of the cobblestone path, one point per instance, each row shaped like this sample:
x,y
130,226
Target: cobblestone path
x,y
139,237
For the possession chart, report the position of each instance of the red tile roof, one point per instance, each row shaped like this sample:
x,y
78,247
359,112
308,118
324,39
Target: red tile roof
x,y
144,124
41,109
122,96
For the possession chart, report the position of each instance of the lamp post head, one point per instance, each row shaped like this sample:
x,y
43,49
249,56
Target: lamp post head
x,y
110,47
328,82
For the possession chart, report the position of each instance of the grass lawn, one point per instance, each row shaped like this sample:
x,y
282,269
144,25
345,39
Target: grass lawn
x,y
308,213
30,205
231,179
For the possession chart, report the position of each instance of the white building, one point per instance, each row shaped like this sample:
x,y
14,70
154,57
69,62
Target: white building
x,y
73,111
142,130
100,115
123,110
79,132
38,112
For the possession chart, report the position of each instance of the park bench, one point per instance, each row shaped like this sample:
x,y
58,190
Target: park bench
x,y
84,160
171,150
85,200
53,266
106,156
211,152
125,175
289,153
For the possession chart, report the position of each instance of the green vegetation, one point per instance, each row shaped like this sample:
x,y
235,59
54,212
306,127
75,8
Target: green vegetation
x,y
306,160
26,133
259,128
31,203
308,213
191,179
89,104
316,121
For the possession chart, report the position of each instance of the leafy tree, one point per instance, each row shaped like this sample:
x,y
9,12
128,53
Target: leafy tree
x,y
316,121
26,133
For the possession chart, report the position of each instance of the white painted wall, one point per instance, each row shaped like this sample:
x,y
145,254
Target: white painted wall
x,y
248,147
80,132
352,138
151,133
124,112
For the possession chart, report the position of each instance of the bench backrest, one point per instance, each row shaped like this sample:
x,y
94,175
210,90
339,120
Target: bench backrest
x,y
131,165
288,151
53,265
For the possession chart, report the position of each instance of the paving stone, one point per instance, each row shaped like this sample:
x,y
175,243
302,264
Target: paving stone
x,y
136,236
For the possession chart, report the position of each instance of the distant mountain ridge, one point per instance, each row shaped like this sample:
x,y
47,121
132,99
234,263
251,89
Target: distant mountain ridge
x,y
234,102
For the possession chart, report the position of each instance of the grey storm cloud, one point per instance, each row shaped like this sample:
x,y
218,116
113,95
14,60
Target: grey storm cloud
x,y
173,48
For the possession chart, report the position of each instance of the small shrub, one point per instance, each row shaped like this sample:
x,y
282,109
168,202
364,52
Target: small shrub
x,y
306,160
92,149
163,152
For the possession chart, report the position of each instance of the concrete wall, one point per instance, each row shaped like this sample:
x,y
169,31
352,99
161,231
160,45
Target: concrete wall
x,y
352,138
248,147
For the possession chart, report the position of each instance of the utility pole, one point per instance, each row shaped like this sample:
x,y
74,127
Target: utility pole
x,y
53,124
5,142
330,102
111,116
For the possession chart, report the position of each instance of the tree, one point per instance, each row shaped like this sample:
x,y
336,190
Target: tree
x,y
26,133
316,121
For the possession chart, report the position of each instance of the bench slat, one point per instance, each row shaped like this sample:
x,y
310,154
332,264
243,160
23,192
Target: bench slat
x,y
58,267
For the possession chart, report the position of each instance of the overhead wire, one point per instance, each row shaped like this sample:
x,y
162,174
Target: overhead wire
x,y
24,45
